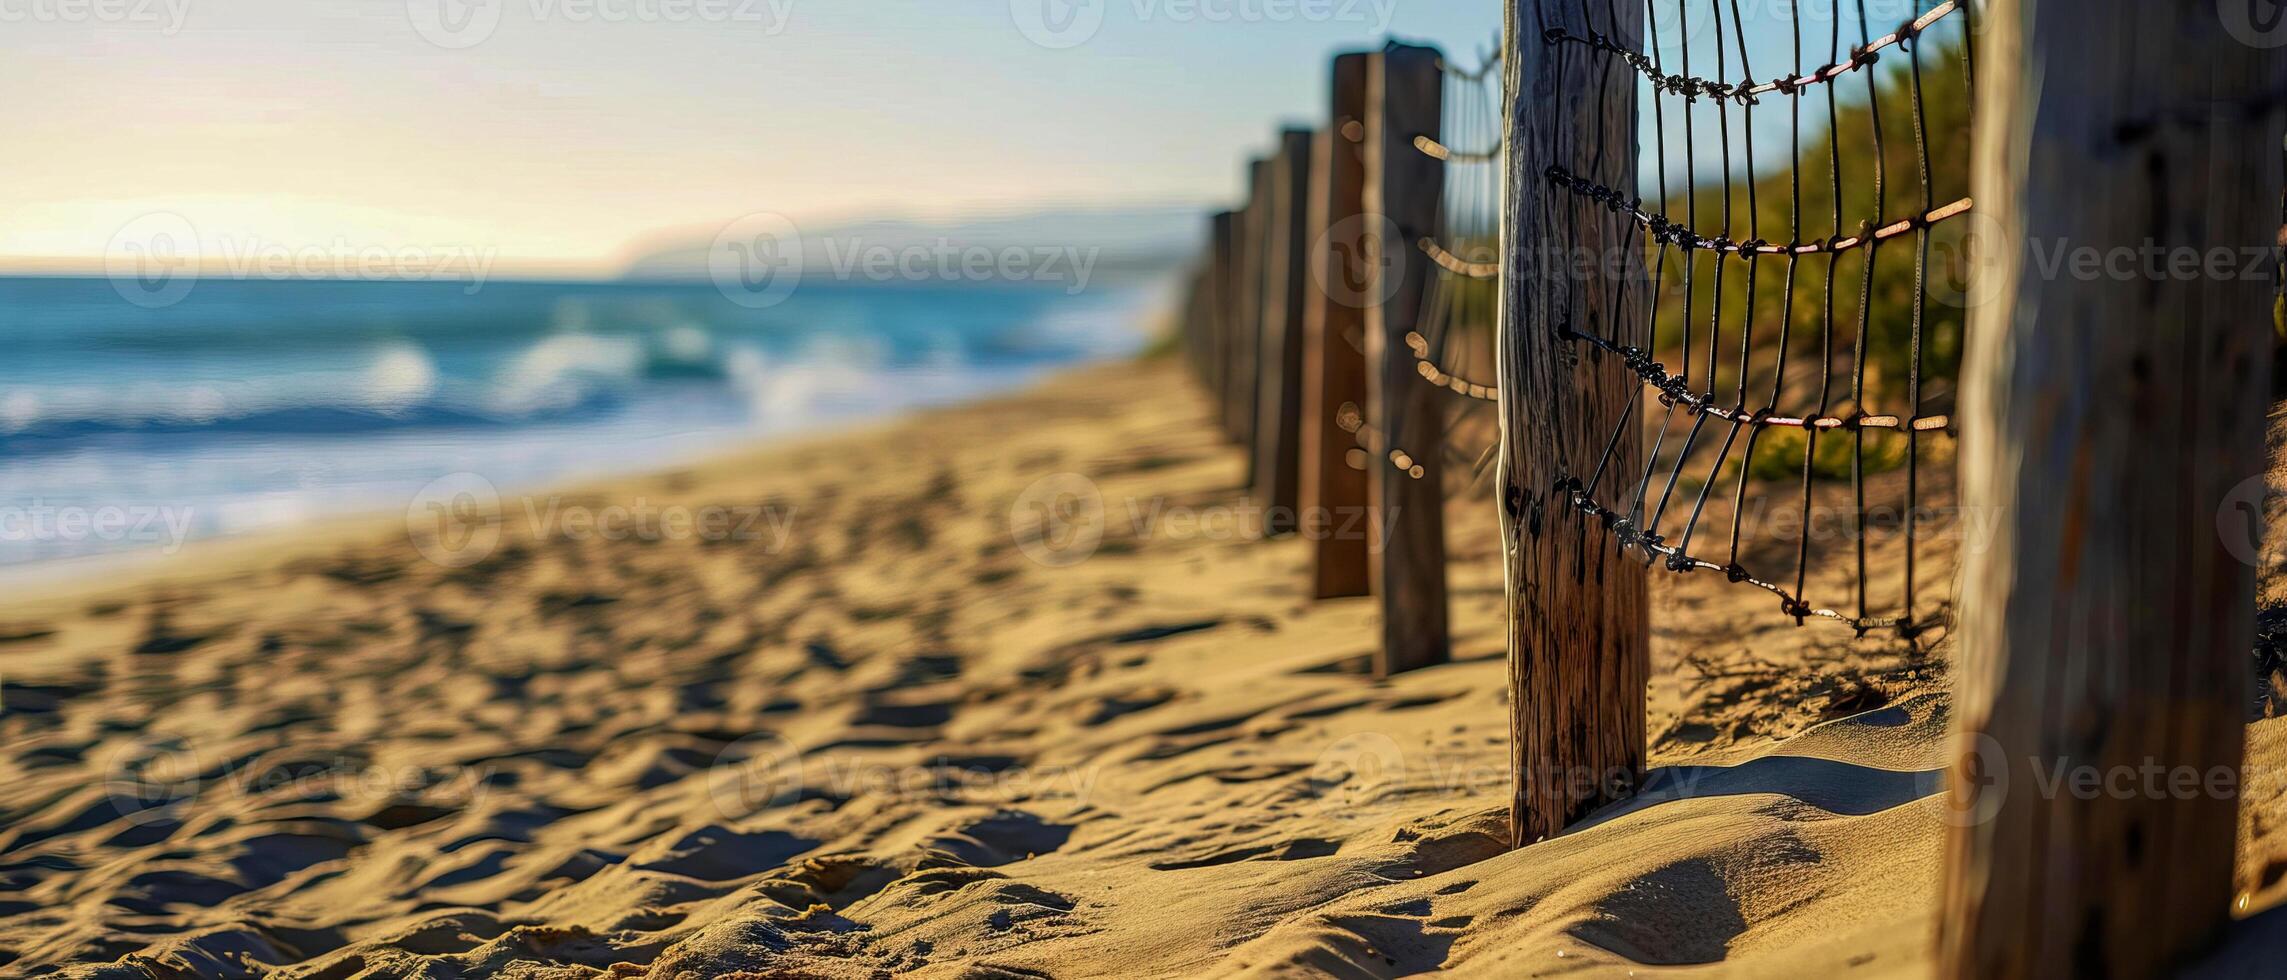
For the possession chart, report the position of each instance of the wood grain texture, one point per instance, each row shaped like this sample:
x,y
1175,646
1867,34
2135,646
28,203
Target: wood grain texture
x,y
1247,326
2106,624
1579,613
1333,492
1197,332
1405,97
1278,449
1223,281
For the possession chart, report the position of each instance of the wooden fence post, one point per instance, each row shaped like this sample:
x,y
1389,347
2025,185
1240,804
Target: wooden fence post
x,y
2105,623
1405,95
1223,280
1333,492
1252,231
1278,458
1203,312
1579,610
1194,323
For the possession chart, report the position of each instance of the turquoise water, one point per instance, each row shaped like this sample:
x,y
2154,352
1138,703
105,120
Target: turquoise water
x,y
260,404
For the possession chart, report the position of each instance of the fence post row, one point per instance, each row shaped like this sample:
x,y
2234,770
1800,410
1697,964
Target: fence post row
x,y
1278,457
1405,99
2106,426
1334,336
2106,625
1303,313
1579,610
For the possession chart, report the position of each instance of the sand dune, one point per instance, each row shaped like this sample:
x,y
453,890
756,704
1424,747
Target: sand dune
x,y
892,742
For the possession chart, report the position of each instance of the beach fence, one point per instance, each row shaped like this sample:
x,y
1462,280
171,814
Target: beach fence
x,y
1743,299
1309,318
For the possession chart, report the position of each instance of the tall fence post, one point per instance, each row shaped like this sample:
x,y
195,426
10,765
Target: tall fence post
x,y
1250,233
1406,99
2111,428
1223,280
1278,457
1333,491
1205,313
1578,609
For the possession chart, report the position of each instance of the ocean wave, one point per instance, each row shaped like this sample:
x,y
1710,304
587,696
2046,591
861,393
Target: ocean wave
x,y
561,377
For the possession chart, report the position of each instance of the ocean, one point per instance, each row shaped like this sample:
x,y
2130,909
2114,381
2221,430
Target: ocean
x,y
260,404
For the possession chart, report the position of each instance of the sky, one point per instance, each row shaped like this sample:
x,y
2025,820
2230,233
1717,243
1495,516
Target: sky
x,y
565,136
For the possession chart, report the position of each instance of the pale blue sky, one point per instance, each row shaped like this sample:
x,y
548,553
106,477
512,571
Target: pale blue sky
x,y
564,137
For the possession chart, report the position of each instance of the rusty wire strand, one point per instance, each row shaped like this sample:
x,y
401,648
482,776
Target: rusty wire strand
x,y
1746,92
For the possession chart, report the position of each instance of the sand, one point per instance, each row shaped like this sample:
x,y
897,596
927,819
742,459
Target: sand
x,y
875,736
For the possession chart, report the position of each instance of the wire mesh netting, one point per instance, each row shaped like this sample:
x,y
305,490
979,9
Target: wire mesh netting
x,y
1807,284
1453,344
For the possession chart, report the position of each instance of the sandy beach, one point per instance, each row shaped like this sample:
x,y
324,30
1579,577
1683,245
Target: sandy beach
x,y
838,720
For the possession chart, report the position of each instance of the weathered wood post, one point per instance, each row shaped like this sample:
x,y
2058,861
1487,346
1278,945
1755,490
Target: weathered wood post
x,y
1579,610
1252,233
1203,313
1333,495
1278,456
1405,94
2105,623
1247,334
1192,327
1223,279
